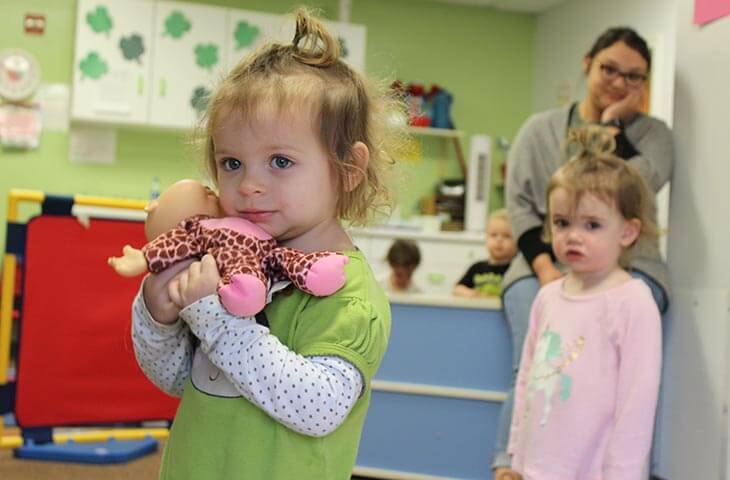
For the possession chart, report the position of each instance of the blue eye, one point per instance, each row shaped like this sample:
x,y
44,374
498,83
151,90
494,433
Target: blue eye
x,y
280,162
230,164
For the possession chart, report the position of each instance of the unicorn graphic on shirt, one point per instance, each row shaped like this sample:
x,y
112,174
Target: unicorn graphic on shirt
x,y
546,374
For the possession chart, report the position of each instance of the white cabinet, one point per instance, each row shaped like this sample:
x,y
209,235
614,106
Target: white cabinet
x,y
139,62
247,30
352,43
189,57
112,61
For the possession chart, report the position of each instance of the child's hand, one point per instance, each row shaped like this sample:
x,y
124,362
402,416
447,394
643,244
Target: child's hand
x,y
198,281
155,290
547,275
545,269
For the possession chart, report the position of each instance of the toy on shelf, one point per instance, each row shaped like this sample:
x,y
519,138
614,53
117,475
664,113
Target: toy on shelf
x,y
430,108
416,100
185,222
439,103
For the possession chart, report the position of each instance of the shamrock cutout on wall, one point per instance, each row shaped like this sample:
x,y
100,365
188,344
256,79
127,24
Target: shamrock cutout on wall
x,y
245,34
177,25
99,20
132,47
206,55
93,66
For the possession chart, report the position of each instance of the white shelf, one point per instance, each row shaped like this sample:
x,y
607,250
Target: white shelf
x,y
436,132
418,234
448,301
448,135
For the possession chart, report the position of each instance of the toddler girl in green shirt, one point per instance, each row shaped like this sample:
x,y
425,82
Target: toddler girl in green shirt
x,y
296,142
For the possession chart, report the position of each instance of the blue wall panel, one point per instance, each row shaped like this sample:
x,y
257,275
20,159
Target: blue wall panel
x,y
456,347
436,435
430,435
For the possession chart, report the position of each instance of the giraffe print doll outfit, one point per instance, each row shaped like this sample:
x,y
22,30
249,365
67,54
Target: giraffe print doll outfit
x,y
248,259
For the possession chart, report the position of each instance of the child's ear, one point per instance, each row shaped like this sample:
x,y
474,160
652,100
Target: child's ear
x,y
632,229
358,163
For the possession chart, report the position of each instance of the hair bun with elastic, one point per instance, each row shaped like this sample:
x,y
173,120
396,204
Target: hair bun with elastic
x,y
313,44
592,141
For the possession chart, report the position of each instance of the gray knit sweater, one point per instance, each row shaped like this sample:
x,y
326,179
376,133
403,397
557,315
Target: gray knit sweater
x,y
537,153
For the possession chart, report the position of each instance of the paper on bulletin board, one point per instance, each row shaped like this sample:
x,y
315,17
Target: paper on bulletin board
x,y
20,126
93,145
708,10
54,100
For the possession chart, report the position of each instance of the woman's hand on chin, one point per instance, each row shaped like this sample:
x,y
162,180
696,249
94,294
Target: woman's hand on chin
x,y
625,107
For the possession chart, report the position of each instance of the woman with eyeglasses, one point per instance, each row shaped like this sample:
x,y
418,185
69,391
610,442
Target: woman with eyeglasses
x,y
617,70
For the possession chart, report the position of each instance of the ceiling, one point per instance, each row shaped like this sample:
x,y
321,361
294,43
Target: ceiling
x,y
531,6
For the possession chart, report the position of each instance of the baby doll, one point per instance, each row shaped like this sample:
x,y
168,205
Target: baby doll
x,y
184,223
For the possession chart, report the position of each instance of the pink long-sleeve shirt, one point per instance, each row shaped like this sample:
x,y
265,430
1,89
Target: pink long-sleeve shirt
x,y
587,386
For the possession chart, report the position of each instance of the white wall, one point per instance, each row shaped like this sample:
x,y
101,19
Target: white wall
x,y
695,435
565,34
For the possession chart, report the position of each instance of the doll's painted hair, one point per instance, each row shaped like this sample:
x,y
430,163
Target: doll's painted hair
x,y
596,170
309,73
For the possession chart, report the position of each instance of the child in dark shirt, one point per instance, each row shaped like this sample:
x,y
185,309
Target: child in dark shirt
x,y
484,278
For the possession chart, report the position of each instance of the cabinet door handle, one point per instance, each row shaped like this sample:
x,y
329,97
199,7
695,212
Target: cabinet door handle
x,y
140,85
163,87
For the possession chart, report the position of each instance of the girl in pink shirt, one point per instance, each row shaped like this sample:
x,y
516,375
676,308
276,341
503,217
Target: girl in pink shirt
x,y
589,376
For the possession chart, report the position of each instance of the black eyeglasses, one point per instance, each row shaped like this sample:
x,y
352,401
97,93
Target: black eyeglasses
x,y
632,78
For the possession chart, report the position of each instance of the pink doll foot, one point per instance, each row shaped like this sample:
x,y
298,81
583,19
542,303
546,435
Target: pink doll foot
x,y
244,295
327,275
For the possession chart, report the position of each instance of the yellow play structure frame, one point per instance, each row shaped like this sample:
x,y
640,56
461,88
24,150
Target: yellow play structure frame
x,y
15,197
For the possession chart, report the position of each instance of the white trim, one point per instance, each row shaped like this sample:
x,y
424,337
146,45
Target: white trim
x,y
85,212
415,232
394,474
438,391
447,301
436,132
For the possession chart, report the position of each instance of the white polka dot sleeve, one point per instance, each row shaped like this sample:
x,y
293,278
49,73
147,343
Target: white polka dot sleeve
x,y
164,352
310,395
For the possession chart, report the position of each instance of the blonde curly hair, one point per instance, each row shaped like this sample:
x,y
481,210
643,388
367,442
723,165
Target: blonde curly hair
x,y
309,72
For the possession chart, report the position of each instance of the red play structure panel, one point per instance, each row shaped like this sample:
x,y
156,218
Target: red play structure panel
x,y
76,363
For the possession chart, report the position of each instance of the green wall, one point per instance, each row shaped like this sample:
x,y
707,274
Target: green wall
x,y
482,56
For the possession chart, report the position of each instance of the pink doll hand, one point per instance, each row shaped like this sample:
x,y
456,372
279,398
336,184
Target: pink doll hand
x,y
327,275
244,295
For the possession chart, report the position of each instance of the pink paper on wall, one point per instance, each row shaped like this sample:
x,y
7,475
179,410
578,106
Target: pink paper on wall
x,y
709,10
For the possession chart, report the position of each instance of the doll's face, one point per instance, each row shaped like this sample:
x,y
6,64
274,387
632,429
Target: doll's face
x,y
183,199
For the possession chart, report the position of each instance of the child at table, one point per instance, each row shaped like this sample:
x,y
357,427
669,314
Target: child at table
x,y
484,278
